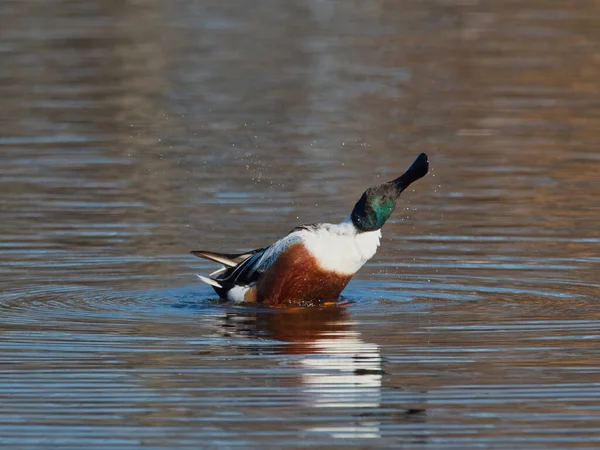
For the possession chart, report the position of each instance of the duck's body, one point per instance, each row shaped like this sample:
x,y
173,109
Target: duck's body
x,y
315,262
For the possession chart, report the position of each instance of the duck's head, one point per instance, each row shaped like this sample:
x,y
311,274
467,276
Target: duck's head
x,y
378,202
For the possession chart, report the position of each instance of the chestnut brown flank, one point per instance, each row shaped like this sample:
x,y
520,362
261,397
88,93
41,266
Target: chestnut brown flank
x,y
296,279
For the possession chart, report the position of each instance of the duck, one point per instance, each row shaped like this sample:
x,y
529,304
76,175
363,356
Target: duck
x,y
313,263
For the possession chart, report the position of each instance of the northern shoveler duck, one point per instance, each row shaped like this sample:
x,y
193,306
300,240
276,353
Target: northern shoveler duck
x,y
313,263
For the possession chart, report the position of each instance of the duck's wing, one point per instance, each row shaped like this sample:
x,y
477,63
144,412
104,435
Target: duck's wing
x,y
250,270
246,268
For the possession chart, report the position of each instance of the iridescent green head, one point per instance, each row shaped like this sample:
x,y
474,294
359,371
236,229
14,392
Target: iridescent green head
x,y
378,202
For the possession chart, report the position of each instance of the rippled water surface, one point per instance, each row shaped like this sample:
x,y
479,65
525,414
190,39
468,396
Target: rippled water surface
x,y
133,132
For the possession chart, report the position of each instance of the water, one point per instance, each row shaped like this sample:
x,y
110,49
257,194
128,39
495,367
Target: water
x,y
131,133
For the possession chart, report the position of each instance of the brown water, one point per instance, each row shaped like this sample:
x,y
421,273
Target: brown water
x,y
133,132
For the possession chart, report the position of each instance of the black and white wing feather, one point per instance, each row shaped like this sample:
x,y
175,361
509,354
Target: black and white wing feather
x,y
246,268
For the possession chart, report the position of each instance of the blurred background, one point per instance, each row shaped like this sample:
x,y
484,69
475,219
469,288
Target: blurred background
x,y
134,131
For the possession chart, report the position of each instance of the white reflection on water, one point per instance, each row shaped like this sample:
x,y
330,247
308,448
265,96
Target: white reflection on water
x,y
362,430
336,368
343,371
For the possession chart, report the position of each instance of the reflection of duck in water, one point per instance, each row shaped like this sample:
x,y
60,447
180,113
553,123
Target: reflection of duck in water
x,y
337,368
313,263
340,368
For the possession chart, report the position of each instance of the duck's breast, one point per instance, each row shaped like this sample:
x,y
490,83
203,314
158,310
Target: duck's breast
x,y
297,277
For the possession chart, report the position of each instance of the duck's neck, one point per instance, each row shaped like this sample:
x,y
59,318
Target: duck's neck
x,y
341,248
366,241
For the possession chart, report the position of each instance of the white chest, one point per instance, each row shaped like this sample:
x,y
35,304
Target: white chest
x,y
342,250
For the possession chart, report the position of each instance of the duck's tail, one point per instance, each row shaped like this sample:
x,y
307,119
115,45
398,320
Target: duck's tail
x,y
228,261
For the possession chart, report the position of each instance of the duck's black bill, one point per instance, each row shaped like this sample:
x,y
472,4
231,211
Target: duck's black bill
x,y
417,170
